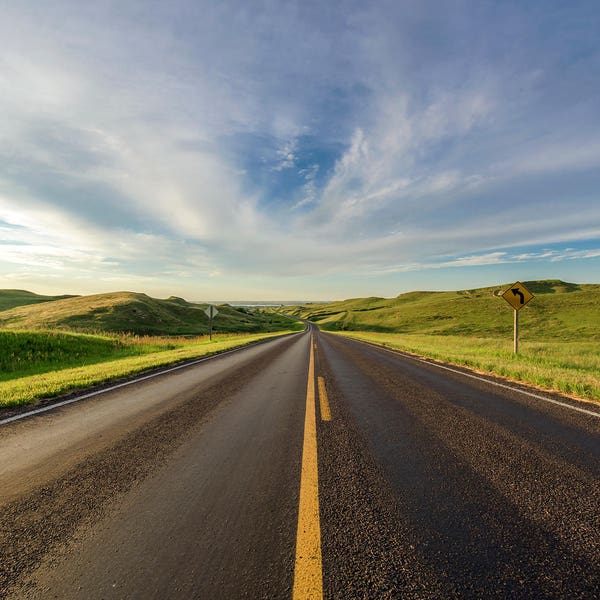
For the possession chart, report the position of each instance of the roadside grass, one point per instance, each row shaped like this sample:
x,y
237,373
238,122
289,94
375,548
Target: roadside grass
x,y
568,367
135,313
559,331
25,353
560,311
37,365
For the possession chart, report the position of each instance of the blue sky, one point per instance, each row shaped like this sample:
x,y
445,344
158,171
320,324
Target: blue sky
x,y
297,150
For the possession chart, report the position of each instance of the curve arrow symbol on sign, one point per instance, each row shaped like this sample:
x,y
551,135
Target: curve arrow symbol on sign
x,y
518,292
517,295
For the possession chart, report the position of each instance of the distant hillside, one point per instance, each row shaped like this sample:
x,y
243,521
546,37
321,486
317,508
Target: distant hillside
x,y
559,309
137,313
12,298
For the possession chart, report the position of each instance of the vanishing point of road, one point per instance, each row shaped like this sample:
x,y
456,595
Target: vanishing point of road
x,y
308,466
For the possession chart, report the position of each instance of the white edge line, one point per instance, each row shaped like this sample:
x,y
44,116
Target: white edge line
x,y
491,382
37,411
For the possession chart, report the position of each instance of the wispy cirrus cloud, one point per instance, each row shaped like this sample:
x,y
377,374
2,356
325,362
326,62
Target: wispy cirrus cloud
x,y
497,258
334,140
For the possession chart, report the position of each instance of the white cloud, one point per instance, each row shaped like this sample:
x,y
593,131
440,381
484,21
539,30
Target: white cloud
x,y
286,156
572,254
381,174
121,140
495,258
555,155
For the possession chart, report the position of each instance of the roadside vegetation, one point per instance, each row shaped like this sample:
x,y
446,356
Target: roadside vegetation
x,y
44,364
559,347
571,368
53,345
560,311
136,313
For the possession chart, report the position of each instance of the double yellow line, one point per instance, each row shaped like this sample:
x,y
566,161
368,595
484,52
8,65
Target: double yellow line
x,y
308,570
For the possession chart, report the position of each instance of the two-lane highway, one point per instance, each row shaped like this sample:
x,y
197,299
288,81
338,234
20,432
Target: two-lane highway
x,y
308,466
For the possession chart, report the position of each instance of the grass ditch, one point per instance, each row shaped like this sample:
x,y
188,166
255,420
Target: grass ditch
x,y
44,364
568,367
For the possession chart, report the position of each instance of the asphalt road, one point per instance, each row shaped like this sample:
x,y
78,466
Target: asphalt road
x,y
225,480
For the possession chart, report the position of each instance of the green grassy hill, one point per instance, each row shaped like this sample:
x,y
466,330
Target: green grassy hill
x,y
136,313
559,331
12,298
559,310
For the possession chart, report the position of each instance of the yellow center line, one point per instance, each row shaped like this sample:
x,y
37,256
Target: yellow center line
x,y
308,570
323,400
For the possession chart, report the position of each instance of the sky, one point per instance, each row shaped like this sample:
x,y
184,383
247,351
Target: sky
x,y
297,150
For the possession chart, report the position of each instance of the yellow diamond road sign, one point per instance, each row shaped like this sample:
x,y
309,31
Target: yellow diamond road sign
x,y
517,295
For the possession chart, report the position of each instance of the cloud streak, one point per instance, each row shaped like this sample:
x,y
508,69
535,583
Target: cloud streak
x,y
234,142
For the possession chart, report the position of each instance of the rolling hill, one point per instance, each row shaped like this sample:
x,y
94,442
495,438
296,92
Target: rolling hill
x,y
559,310
11,298
132,312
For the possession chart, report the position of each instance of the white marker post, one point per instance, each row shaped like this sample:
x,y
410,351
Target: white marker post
x,y
211,312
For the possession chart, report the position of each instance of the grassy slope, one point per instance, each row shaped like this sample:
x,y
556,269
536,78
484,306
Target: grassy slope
x,y
139,314
25,353
45,364
558,311
11,298
559,331
41,355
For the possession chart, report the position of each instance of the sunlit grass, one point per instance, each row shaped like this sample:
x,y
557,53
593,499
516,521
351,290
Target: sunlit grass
x,y
37,365
137,313
567,367
559,311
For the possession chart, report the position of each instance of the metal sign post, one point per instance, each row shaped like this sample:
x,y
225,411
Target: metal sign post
x,y
517,295
211,312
